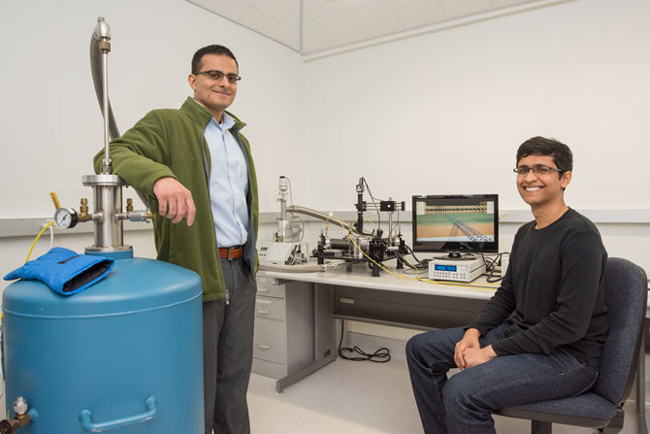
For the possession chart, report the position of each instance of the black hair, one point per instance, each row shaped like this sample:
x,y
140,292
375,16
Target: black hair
x,y
220,50
562,155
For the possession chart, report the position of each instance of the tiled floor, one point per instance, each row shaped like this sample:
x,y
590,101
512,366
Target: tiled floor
x,y
354,398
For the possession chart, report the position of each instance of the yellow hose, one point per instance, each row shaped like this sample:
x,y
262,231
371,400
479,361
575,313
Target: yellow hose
x,y
36,239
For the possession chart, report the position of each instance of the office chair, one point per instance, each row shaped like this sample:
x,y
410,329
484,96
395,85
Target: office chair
x,y
626,291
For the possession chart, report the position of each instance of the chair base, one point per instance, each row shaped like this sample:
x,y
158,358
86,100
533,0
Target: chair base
x,y
537,427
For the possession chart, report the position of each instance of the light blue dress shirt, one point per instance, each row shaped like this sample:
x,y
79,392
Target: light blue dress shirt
x,y
228,183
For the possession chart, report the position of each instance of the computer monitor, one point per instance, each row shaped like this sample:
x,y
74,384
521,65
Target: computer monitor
x,y
456,224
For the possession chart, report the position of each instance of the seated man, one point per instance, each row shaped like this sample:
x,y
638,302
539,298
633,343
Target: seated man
x,y
540,336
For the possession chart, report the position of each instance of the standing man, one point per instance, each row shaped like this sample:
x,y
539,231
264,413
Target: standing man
x,y
195,164
540,336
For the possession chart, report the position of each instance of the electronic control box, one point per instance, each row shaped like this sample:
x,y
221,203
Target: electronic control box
x,y
282,253
459,270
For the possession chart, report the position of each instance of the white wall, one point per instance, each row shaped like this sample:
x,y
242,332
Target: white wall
x,y
50,119
445,112
51,122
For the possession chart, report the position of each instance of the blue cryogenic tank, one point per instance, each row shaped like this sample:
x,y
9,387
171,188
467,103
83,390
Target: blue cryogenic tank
x,y
123,356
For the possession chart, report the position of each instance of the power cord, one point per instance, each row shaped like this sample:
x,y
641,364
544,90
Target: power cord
x,y
491,265
382,355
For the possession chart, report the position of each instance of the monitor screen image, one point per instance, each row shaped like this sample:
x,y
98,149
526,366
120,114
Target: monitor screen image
x,y
456,224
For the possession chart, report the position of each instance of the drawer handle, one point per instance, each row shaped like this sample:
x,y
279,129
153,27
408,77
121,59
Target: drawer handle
x,y
89,426
263,347
262,312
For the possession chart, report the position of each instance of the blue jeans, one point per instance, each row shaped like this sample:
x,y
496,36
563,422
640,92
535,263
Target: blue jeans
x,y
463,403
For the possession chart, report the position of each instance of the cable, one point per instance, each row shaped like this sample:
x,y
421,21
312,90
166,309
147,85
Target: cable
x,y
369,192
491,265
51,236
373,200
400,276
36,239
390,230
415,257
382,355
361,250
368,220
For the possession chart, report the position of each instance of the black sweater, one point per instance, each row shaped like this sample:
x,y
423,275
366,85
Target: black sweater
x,y
551,295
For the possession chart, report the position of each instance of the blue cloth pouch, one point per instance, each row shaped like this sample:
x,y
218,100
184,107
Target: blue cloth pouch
x,y
64,271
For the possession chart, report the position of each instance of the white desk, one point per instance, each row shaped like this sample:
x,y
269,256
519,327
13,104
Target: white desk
x,y
359,277
386,299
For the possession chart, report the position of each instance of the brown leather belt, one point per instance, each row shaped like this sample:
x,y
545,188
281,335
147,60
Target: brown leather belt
x,y
231,252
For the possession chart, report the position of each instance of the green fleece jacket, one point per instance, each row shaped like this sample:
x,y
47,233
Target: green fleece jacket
x,y
170,142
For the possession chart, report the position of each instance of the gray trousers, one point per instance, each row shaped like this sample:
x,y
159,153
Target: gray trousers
x,y
228,351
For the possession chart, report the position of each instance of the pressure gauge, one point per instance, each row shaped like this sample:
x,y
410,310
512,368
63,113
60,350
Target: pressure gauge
x,y
66,218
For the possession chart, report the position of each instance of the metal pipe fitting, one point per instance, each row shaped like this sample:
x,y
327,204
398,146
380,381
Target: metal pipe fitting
x,y
23,416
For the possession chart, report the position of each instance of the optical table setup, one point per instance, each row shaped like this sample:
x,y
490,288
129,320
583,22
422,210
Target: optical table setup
x,y
371,275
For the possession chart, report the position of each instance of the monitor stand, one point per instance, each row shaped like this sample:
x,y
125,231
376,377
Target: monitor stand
x,y
457,256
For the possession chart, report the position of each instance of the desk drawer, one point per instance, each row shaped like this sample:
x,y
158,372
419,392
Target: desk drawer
x,y
269,307
269,342
268,286
269,369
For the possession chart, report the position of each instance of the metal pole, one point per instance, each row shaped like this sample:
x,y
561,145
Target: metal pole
x,y
102,33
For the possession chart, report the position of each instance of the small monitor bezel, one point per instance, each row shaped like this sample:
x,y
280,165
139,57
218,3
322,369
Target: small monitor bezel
x,y
455,247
